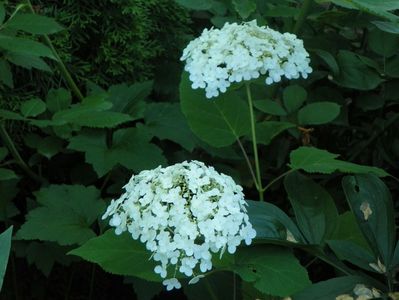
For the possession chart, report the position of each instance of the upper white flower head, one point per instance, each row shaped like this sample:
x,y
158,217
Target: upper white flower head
x,y
244,51
182,213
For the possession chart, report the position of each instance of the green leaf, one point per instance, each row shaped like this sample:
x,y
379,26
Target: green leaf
x,y
351,252
389,27
24,46
282,11
372,205
131,148
244,7
33,107
28,62
318,113
34,24
330,289
313,160
65,214
166,121
294,96
271,223
6,174
49,146
354,73
272,270
196,4
348,230
119,254
10,115
6,74
2,13
5,245
218,122
58,99
329,59
383,43
314,208
270,107
392,67
268,130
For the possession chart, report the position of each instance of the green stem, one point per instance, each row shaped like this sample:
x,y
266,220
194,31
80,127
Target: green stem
x,y
14,152
64,71
251,170
254,142
93,274
302,16
277,179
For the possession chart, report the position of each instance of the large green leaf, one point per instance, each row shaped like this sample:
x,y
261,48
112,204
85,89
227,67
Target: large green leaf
x,y
384,44
166,121
372,205
318,113
34,24
65,214
313,160
271,223
294,96
33,107
119,255
330,289
5,245
131,148
272,270
219,122
266,131
244,7
354,73
314,208
24,46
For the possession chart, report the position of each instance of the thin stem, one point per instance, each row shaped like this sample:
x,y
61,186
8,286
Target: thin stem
x,y
277,179
14,152
210,290
248,163
302,16
254,143
64,71
92,278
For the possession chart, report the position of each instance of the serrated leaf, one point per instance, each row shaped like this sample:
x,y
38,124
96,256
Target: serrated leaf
x,y
270,107
6,174
314,208
5,245
58,99
131,148
318,113
315,160
268,130
273,270
6,74
28,61
33,107
35,24
166,121
119,254
244,7
371,202
294,96
24,46
65,215
219,122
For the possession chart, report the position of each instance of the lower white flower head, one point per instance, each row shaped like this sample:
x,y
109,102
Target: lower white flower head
x,y
183,213
240,52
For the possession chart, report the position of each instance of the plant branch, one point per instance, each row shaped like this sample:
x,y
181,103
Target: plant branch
x,y
14,152
248,163
254,142
302,16
64,71
277,179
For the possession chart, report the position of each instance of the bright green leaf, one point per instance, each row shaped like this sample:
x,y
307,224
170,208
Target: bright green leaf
x,y
270,107
273,270
34,24
219,122
313,160
33,107
5,245
119,254
24,46
294,96
244,7
6,74
65,215
318,113
268,130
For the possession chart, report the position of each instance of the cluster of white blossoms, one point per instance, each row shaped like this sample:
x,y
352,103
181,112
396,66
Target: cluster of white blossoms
x,y
183,213
244,51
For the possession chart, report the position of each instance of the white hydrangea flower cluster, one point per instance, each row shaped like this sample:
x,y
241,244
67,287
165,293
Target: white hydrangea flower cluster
x,y
244,51
183,213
